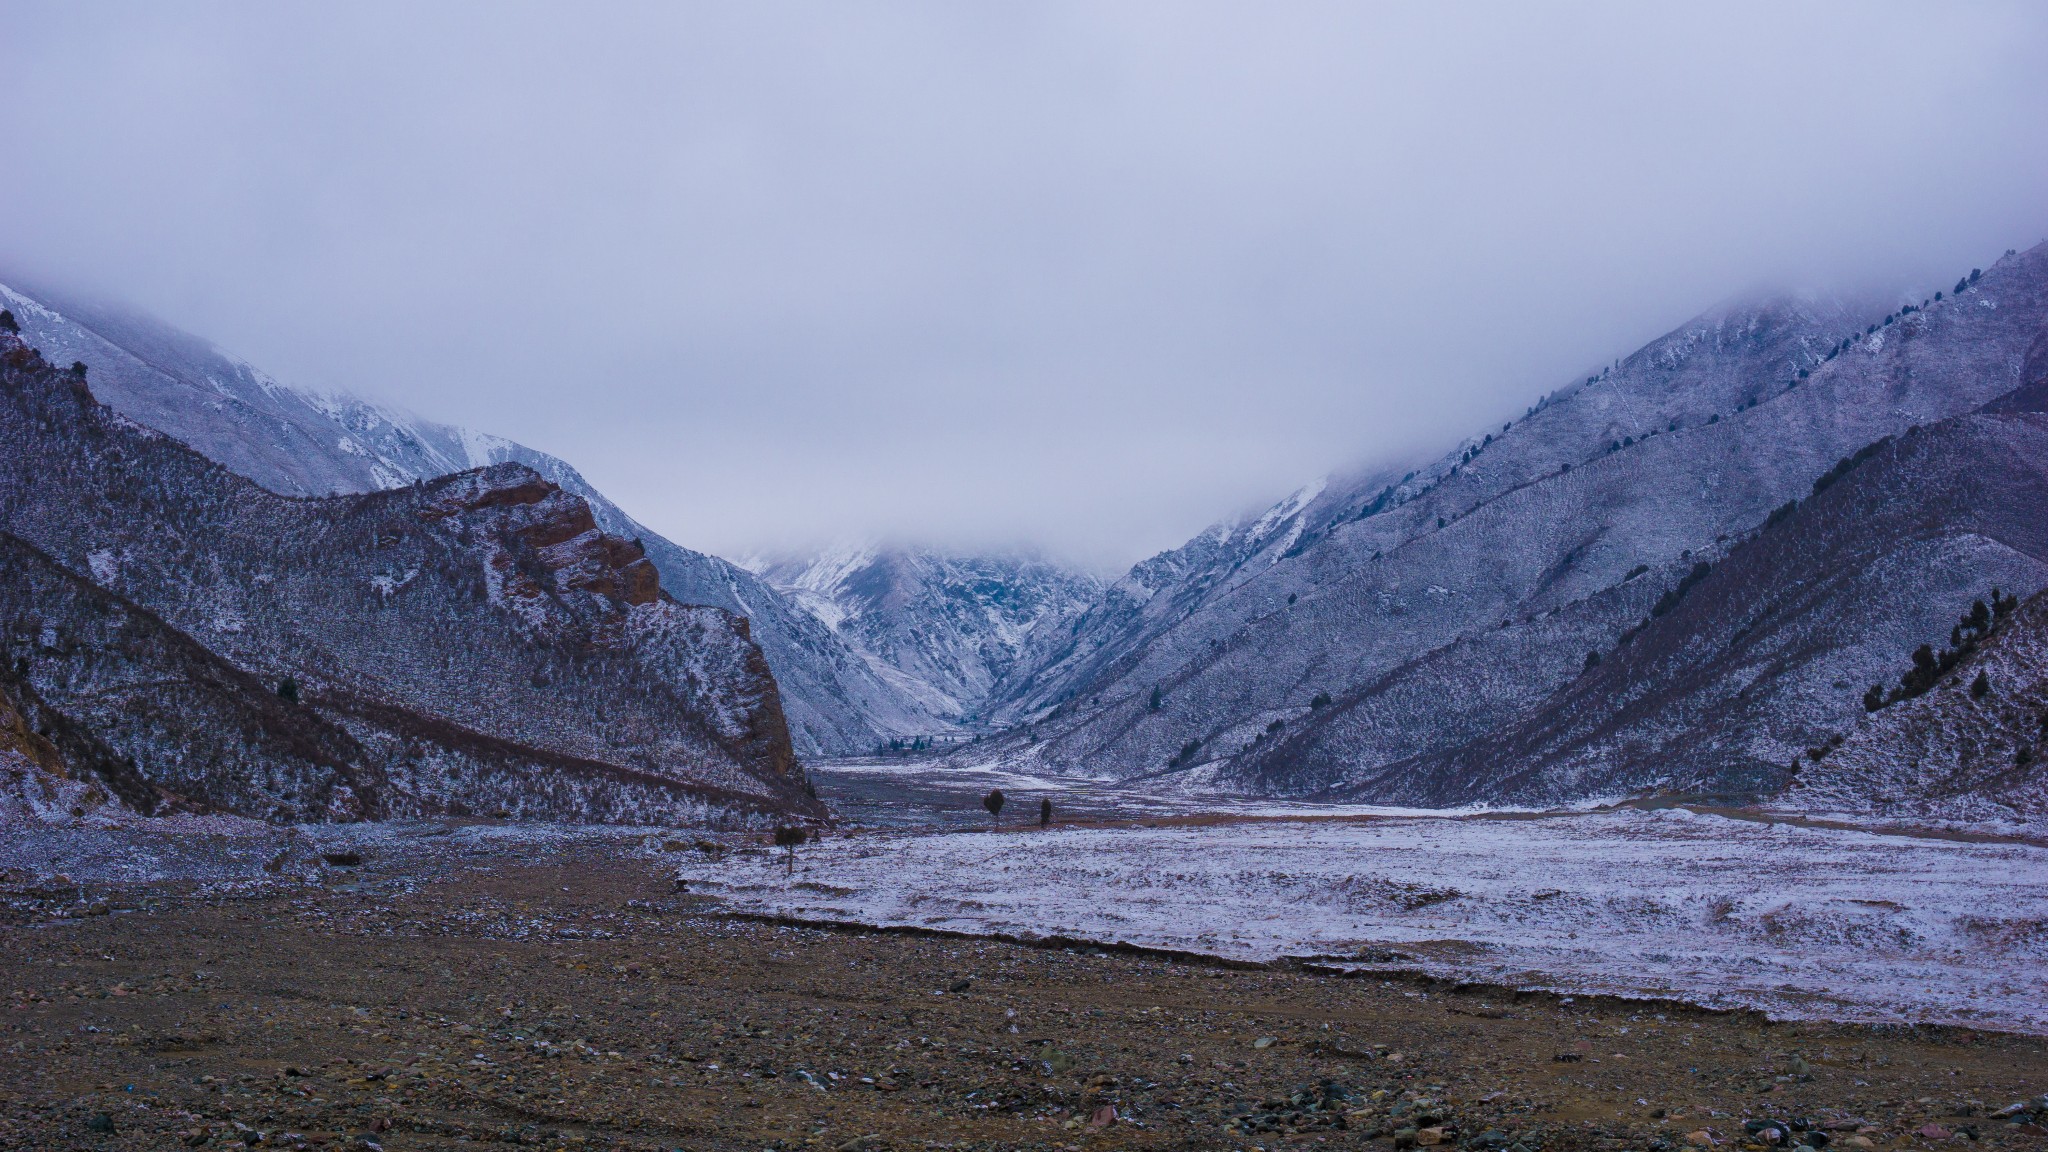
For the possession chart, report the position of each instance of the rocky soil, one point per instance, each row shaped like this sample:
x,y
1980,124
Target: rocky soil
x,y
465,987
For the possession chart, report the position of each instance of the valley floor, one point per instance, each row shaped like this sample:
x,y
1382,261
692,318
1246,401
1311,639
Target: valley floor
x,y
472,985
1796,920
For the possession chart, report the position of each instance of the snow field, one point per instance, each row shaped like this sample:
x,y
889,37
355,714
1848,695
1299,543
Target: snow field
x,y
1799,922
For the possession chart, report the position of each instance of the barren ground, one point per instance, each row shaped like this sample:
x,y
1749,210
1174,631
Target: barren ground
x,y
564,995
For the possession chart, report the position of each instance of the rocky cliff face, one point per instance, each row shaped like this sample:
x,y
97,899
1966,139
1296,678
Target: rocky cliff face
x,y
1368,623
303,444
474,643
946,628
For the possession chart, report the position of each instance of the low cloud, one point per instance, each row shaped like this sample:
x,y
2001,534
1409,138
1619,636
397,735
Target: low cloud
x,y
1084,276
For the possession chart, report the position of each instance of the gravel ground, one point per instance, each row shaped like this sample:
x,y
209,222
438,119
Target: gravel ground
x,y
468,986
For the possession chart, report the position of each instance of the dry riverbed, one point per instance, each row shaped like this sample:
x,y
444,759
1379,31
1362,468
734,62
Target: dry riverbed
x,y
560,993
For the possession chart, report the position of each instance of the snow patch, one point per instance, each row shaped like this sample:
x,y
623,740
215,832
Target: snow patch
x,y
104,566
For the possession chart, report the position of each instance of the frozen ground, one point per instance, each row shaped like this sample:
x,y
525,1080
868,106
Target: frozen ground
x,y
916,793
1796,921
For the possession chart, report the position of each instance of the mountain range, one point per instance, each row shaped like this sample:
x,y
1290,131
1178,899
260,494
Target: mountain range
x,y
1678,574
1640,584
948,628
839,697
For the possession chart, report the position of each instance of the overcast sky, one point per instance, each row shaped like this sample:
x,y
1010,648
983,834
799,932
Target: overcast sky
x,y
1085,276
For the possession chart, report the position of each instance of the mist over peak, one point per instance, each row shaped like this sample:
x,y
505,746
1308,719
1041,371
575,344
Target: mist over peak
x,y
1069,274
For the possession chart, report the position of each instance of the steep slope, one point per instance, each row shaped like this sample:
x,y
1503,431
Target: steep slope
x,y
946,627
156,598
1376,619
300,443
51,767
1958,752
1770,652
1171,609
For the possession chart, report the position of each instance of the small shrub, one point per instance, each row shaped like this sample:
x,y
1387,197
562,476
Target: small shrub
x,y
789,839
288,690
1321,700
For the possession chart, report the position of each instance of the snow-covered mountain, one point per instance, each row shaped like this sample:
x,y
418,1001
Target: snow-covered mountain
x,y
947,628
1353,637
474,643
301,443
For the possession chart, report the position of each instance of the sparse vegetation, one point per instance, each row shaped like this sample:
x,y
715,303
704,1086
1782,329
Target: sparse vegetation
x,y
1929,666
1847,464
1673,595
789,839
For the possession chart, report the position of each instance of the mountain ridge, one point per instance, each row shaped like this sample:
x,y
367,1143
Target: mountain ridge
x,y
156,597
951,624
297,442
1470,588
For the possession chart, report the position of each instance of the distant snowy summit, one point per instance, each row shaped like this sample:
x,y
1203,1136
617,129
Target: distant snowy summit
x,y
949,627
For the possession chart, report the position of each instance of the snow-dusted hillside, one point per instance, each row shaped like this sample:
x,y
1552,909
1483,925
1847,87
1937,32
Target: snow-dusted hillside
x,y
470,644
1968,751
301,443
1380,619
947,628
